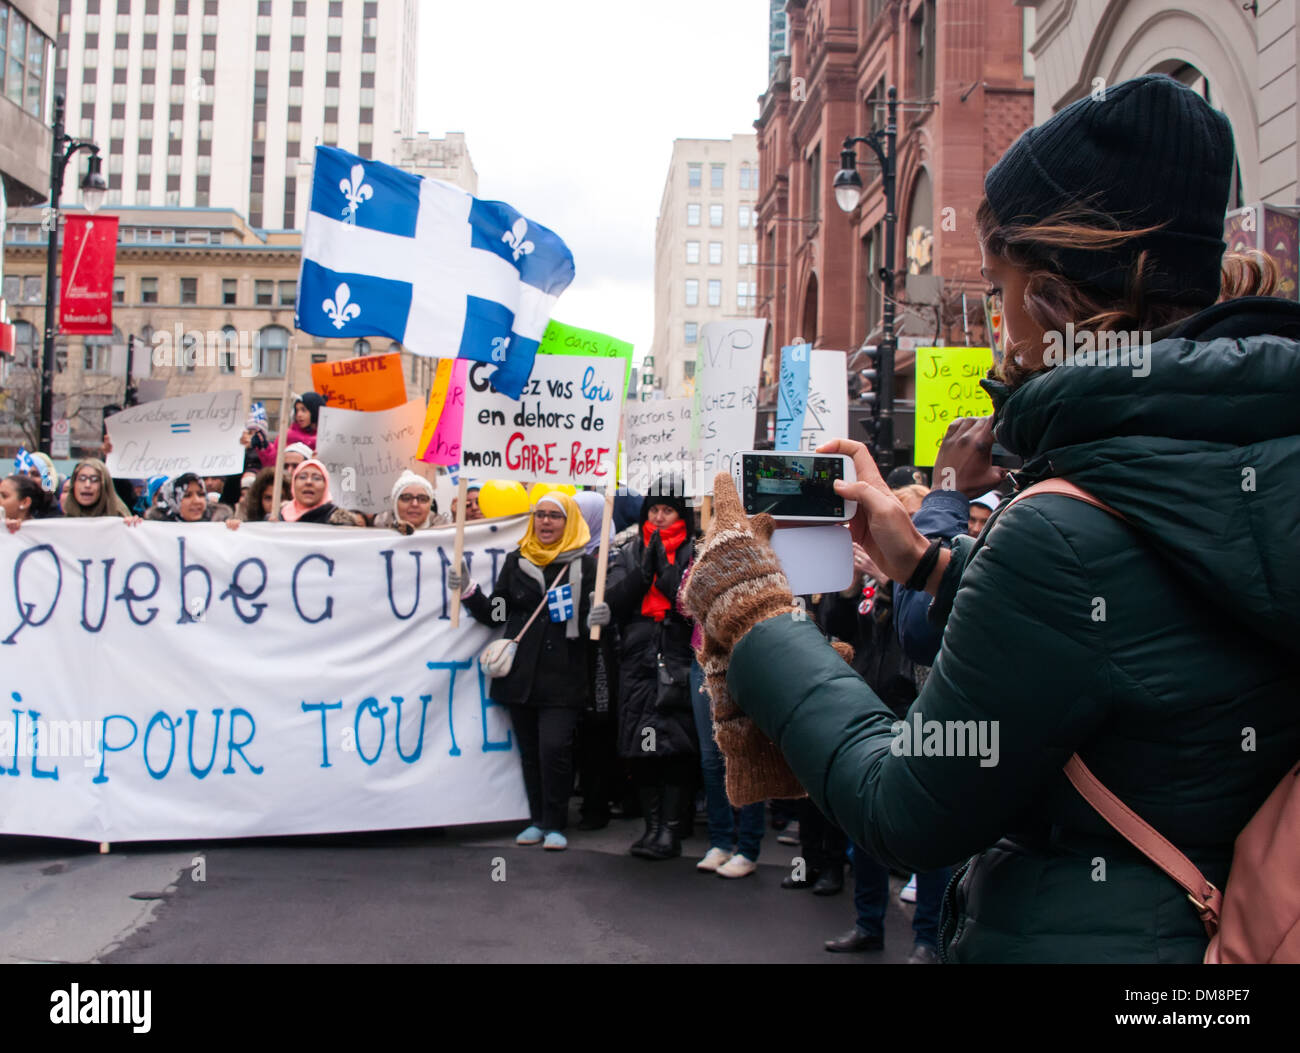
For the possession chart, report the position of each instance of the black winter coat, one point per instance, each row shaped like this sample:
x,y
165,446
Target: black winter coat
x,y
549,669
643,700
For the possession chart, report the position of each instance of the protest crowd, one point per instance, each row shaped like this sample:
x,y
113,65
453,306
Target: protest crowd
x,y
964,603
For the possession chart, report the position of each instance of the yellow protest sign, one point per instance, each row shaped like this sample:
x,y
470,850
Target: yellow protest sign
x,y
948,387
437,400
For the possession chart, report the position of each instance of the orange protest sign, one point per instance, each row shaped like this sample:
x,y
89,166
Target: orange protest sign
x,y
369,383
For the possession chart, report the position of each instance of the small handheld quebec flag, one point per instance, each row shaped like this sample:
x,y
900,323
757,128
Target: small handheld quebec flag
x,y
559,602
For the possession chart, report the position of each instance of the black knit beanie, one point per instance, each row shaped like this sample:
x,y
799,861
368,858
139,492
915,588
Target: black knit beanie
x,y
1149,150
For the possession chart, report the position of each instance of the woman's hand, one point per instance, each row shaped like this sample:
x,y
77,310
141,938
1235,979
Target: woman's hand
x,y
245,438
965,459
233,524
132,521
864,564
108,445
599,615
881,526
12,525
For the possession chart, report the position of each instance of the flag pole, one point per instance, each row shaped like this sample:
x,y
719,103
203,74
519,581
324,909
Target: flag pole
x,y
458,553
602,566
285,410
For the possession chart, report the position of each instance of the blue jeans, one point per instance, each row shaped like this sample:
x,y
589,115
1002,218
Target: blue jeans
x,y
871,896
742,827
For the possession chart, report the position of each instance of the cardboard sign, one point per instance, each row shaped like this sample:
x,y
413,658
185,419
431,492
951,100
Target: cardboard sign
x,y
444,421
563,428
561,339
820,411
726,394
948,387
368,383
659,442
191,433
792,396
366,452
339,697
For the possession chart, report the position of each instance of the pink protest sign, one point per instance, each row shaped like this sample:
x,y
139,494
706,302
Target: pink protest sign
x,y
444,447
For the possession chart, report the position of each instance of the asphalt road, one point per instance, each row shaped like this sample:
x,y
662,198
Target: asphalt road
x,y
468,894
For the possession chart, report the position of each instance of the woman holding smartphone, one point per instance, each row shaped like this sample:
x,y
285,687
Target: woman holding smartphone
x,y
1146,645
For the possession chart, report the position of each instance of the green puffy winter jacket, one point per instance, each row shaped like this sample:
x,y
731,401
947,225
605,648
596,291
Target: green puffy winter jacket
x,y
1162,649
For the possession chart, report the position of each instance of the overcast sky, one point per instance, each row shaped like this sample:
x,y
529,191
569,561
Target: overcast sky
x,y
570,109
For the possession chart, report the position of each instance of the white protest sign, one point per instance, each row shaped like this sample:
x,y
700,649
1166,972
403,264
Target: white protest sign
x,y
658,442
279,679
726,393
191,433
366,452
826,411
563,428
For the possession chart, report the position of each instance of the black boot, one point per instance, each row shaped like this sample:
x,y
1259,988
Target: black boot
x,y
651,800
830,882
667,843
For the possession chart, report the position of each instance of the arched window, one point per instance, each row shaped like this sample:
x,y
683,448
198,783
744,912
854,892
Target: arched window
x,y
919,238
272,350
228,353
361,347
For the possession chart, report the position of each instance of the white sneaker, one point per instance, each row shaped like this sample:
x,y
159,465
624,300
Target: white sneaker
x,y
737,866
713,859
908,894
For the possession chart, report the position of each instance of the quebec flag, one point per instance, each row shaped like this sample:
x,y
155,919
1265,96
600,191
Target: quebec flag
x,y
424,263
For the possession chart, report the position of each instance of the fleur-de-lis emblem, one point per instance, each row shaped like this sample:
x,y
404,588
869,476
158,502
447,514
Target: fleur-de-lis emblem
x,y
357,191
515,238
339,310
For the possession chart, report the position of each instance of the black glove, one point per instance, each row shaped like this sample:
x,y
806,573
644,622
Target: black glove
x,y
652,558
670,574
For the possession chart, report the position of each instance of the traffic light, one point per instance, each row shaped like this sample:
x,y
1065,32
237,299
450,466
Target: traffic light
x,y
868,378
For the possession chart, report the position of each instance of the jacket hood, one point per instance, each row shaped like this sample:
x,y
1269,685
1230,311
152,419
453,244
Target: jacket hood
x,y
1198,446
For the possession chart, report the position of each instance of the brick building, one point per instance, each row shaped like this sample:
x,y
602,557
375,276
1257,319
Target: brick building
x,y
965,90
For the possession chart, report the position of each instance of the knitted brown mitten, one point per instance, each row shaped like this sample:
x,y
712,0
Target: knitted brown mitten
x,y
736,582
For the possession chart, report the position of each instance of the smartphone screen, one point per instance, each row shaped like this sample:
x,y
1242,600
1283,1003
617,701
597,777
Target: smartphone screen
x,y
797,485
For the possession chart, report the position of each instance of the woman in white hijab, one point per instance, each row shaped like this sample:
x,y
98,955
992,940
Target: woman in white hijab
x,y
592,506
413,506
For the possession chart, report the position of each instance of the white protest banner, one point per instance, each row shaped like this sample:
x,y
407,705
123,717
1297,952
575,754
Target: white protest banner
x,y
821,412
366,452
563,428
659,443
178,681
190,433
726,393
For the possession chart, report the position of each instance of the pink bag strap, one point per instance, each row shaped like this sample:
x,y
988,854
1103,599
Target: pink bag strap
x,y
546,593
1207,899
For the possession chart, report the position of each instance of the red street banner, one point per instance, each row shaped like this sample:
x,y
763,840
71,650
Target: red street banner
x,y
89,254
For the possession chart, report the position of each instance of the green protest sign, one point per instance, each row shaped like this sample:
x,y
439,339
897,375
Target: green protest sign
x,y
561,339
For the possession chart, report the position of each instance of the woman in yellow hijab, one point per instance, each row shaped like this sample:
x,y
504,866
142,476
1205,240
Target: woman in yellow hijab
x,y
549,683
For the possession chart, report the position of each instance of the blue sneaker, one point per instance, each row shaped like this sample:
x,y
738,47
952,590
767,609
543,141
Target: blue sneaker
x,y
531,836
556,842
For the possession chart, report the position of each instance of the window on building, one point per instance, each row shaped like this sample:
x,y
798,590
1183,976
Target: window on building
x,y
148,290
715,215
692,333
692,252
742,254
24,343
361,347
715,292
264,293
190,353
692,215
288,293
715,252
717,176
748,177
97,354
119,289
922,40
742,295
272,346
32,289
694,174
229,291
688,369
692,292
228,352
814,185
189,291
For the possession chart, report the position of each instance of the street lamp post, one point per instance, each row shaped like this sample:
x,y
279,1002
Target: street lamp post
x,y
848,194
93,186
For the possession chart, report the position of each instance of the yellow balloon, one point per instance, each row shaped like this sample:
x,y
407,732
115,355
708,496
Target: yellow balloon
x,y
542,489
499,497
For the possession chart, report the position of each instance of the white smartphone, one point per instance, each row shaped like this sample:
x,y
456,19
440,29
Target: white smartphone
x,y
794,487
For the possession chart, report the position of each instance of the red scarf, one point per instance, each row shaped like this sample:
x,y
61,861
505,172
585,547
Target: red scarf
x,y
655,605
